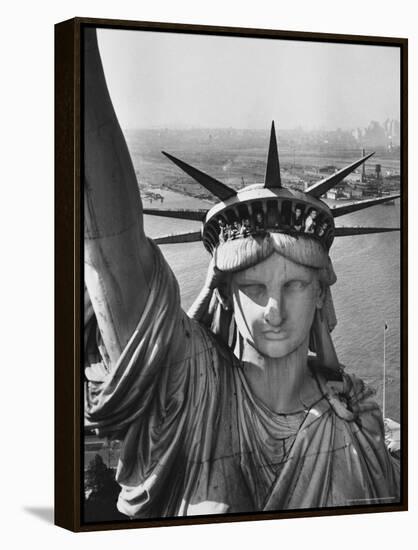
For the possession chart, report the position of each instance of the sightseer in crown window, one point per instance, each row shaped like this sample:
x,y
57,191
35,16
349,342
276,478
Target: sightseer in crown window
x,y
259,222
236,229
245,227
222,229
297,221
310,221
241,404
322,228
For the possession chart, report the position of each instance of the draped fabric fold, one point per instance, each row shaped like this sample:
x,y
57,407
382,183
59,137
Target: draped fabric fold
x,y
196,441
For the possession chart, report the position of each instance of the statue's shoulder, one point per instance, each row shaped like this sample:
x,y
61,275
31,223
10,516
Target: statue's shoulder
x,y
205,345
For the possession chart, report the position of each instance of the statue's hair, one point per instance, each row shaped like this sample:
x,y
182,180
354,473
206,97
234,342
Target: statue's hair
x,y
236,255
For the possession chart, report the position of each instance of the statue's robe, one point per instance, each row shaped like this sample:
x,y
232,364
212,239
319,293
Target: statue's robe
x,y
196,441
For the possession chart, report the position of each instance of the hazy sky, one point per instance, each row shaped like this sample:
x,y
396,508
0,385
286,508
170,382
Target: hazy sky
x,y
174,80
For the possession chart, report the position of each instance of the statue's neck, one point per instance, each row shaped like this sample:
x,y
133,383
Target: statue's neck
x,y
284,385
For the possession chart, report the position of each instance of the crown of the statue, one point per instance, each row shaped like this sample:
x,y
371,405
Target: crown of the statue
x,y
257,209
268,207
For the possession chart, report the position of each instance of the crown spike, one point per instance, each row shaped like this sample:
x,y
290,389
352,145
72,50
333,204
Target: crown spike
x,y
349,231
324,185
191,237
272,178
220,190
195,215
359,205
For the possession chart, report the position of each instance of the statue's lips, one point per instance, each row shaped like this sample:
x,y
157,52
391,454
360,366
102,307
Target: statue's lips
x,y
275,334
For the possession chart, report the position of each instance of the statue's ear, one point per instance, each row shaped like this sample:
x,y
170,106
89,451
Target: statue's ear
x,y
320,296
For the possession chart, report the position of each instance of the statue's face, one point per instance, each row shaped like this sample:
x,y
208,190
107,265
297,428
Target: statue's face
x,y
274,304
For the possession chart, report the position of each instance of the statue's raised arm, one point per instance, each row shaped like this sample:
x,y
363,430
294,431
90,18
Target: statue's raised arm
x,y
118,260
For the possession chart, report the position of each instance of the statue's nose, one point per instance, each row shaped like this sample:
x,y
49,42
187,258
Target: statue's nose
x,y
273,312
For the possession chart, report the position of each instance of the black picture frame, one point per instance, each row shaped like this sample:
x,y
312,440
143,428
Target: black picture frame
x,y
69,277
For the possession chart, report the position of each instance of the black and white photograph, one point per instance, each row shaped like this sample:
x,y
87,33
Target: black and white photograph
x,y
242,263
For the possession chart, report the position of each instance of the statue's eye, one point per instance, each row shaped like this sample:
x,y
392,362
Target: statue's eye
x,y
253,290
296,285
